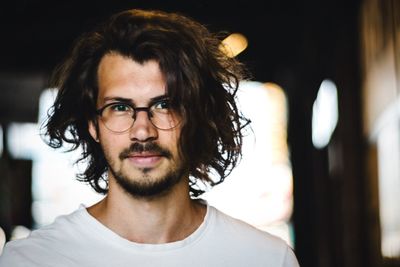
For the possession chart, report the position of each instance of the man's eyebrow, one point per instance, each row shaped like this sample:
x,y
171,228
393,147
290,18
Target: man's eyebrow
x,y
157,98
117,99
129,101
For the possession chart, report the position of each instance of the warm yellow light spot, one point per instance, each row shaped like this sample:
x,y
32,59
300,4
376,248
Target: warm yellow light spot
x,y
234,44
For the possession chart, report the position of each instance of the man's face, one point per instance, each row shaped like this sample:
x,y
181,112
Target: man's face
x,y
144,160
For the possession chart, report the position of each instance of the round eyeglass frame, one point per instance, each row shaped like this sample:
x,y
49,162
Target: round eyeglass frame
x,y
100,111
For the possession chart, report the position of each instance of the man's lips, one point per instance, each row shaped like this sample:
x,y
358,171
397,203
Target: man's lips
x,y
144,156
144,159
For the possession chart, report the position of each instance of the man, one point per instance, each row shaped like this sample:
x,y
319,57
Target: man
x,y
150,98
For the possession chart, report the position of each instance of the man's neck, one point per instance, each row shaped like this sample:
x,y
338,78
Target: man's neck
x,y
169,218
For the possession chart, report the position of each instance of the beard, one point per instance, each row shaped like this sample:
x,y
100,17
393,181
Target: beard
x,y
146,186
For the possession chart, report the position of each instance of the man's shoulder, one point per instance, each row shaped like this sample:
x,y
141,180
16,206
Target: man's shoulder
x,y
42,242
243,234
244,242
244,231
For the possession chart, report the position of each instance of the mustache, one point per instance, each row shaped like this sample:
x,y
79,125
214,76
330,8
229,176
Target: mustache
x,y
150,147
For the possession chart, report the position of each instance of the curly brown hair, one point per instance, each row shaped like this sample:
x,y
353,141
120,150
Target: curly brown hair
x,y
201,80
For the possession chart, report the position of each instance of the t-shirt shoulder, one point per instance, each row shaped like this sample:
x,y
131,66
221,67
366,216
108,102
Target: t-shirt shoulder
x,y
20,251
236,226
261,244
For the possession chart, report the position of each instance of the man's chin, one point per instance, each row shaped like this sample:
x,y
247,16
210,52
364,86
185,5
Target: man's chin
x,y
146,184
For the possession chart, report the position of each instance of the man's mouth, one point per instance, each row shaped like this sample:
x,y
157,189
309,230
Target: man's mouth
x,y
144,150
144,160
145,155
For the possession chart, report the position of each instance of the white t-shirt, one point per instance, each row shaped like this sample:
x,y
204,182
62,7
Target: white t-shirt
x,y
78,239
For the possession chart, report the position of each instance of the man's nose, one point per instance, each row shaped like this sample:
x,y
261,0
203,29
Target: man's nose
x,y
143,129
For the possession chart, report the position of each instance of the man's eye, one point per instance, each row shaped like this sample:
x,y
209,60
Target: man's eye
x,y
163,104
120,108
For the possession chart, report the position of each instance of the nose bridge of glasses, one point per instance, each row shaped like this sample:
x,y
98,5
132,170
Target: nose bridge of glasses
x,y
145,109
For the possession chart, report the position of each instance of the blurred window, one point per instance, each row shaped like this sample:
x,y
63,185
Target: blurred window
x,y
259,190
388,147
54,189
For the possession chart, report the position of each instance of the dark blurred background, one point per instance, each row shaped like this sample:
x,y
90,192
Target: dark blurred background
x,y
338,196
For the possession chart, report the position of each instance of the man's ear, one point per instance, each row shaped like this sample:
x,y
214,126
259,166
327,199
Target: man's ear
x,y
93,130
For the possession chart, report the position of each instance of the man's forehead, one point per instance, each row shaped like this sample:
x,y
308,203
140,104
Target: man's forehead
x,y
112,60
122,77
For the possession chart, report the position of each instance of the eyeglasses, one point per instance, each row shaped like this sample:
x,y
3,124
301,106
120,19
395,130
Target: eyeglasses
x,y
119,116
